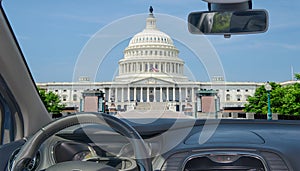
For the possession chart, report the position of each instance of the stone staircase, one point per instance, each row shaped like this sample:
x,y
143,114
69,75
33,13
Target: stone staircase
x,y
151,106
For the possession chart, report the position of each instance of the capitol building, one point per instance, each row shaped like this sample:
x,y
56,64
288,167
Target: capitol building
x,y
151,73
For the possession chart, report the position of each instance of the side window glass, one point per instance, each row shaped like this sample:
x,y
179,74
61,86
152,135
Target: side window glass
x,y
11,120
6,126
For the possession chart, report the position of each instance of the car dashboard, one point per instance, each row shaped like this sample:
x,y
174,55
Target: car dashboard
x,y
243,145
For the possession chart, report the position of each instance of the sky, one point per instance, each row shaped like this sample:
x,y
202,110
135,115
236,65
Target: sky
x,y
53,33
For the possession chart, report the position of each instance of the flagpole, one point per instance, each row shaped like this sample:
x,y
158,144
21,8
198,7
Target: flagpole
x,y
292,72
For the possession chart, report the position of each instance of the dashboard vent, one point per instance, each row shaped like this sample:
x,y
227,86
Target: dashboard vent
x,y
233,162
274,161
32,165
174,162
221,160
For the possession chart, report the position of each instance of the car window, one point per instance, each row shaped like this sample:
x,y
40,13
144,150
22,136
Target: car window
x,y
10,118
6,126
127,60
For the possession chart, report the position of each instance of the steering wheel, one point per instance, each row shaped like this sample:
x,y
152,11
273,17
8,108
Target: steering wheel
x,y
30,148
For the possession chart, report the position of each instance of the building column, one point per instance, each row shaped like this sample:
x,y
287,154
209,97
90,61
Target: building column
x,y
116,94
159,67
134,93
122,95
133,67
128,67
128,94
180,95
148,69
154,95
160,95
193,94
148,94
165,67
174,94
168,94
186,93
141,100
109,94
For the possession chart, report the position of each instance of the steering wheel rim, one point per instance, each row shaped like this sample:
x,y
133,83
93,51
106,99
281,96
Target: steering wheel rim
x,y
30,148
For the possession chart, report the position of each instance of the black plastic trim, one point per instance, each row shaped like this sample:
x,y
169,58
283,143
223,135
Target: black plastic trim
x,y
18,46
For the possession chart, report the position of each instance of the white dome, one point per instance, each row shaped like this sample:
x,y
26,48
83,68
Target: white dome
x,y
151,53
151,36
150,40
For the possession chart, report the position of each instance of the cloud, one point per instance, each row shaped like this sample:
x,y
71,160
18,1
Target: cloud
x,y
285,25
86,35
86,19
275,44
96,36
20,37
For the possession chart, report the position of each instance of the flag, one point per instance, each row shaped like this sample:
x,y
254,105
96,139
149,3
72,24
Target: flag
x,y
154,69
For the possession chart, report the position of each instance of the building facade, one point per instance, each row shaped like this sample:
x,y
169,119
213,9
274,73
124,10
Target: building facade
x,y
152,72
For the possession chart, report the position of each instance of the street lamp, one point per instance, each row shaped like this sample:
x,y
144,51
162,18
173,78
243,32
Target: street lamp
x,y
268,87
216,106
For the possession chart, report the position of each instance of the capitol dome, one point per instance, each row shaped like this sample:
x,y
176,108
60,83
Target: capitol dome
x,y
151,36
151,53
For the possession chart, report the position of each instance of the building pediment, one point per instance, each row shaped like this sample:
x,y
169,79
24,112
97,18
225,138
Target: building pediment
x,y
152,81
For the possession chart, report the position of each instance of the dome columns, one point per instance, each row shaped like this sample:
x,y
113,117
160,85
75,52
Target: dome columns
x,y
151,67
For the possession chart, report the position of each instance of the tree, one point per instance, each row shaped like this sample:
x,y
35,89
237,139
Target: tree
x,y
291,100
297,76
51,101
284,100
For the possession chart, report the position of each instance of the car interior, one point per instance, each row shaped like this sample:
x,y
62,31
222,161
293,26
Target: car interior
x,y
91,141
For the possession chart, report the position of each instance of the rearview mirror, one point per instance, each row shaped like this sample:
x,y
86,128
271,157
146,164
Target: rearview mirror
x,y
228,22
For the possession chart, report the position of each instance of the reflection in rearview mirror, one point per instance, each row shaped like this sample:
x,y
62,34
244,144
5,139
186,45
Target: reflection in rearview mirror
x,y
228,22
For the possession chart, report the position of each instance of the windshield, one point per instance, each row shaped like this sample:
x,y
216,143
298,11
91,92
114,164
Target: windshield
x,y
137,59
